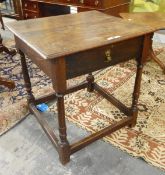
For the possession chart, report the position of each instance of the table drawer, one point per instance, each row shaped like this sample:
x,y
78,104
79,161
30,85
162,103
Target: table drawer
x,y
29,15
29,5
98,58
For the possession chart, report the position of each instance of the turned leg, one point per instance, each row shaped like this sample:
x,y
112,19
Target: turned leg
x,y
90,80
64,148
58,71
26,77
136,93
140,63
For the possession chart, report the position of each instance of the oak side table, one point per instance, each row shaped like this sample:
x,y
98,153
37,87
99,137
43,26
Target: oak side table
x,y
76,44
156,20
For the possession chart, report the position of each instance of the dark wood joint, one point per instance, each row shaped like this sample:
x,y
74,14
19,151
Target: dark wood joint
x,y
58,75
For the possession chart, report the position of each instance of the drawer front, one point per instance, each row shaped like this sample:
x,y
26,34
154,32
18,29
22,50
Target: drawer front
x,y
29,5
30,15
98,58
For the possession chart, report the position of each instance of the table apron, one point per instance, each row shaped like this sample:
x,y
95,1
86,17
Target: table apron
x,y
43,64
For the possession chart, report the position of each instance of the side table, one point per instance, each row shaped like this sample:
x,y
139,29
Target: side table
x,y
153,19
71,45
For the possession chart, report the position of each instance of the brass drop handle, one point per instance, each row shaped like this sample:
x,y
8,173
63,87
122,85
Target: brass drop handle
x,y
25,5
108,55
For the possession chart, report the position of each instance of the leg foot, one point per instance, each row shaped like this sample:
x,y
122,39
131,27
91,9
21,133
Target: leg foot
x,y
134,117
64,153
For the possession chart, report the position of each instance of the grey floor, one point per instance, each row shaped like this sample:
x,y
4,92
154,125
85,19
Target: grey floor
x,y
25,150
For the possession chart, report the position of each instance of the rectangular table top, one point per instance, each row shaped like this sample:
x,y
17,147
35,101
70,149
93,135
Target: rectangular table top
x,y
58,36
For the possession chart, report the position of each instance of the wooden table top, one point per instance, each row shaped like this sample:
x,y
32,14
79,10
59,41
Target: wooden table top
x,y
58,36
153,19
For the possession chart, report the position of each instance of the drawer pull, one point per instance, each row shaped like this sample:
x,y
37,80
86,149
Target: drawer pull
x,y
25,5
26,15
108,56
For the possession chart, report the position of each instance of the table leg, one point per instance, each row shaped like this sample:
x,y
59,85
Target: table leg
x,y
64,148
136,93
140,64
58,70
28,87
